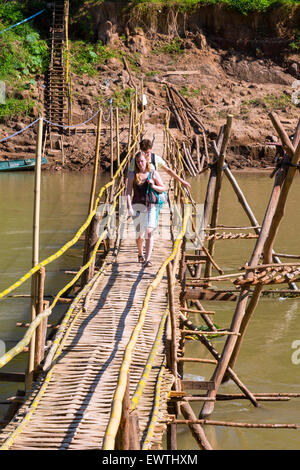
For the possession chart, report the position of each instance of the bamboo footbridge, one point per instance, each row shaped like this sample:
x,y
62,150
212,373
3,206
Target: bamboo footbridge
x,y
112,376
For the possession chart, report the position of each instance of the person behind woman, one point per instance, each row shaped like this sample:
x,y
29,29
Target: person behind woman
x,y
144,212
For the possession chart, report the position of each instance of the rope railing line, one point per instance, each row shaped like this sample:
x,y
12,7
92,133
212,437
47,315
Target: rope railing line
x,y
10,440
73,126
23,21
156,408
72,242
19,132
36,322
60,340
115,417
148,367
48,260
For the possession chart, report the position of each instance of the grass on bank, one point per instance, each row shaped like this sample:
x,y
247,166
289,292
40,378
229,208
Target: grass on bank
x,y
242,6
24,55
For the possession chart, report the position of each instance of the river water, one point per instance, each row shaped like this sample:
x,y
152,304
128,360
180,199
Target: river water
x,y
265,362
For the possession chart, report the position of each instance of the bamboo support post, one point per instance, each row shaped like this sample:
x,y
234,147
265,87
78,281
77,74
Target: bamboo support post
x,y
123,435
117,136
172,428
92,238
217,192
248,211
282,185
96,163
195,427
217,356
35,248
270,224
170,276
111,142
41,330
134,431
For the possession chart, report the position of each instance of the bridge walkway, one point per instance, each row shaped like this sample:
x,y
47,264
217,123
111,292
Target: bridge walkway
x,y
75,405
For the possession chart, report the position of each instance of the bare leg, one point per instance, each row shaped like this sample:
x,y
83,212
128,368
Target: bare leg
x,y
149,244
140,245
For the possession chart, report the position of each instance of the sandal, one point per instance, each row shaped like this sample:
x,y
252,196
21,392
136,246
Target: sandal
x,y
141,259
147,264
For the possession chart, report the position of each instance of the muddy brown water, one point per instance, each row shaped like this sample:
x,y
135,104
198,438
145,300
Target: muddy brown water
x,y
265,362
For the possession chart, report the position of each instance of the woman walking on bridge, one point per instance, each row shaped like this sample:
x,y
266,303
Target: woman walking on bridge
x,y
142,206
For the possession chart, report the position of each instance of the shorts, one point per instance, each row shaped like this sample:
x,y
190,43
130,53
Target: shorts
x,y
144,219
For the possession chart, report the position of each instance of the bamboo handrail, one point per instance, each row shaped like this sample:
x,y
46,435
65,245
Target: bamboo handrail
x,y
148,366
115,417
78,234
26,339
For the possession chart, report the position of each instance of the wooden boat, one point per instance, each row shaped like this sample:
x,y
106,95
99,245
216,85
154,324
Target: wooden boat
x,y
20,165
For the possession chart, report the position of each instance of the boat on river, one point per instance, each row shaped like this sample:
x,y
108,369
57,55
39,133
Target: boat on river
x,y
20,164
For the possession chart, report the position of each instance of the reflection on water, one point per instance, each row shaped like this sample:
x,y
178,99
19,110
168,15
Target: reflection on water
x,y
264,363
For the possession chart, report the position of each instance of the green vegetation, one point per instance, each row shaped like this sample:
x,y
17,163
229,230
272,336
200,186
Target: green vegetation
x,y
190,92
173,47
86,56
243,6
121,98
15,107
295,44
270,102
23,55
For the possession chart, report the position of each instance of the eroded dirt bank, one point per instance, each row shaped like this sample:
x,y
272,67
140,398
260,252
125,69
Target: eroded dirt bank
x,y
220,62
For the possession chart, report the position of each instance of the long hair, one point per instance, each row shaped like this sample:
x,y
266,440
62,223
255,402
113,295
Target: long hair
x,y
137,170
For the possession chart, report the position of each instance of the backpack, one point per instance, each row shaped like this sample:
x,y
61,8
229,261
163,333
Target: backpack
x,y
153,160
153,197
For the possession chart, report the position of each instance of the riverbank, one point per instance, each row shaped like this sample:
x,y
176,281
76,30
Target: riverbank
x,y
189,49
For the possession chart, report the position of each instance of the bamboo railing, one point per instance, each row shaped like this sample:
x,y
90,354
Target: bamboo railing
x,y
116,181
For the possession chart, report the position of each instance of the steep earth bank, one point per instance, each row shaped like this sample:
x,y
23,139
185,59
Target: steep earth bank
x,y
220,62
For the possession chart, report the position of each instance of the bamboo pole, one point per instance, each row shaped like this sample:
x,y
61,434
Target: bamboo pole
x,y
217,193
41,330
123,435
88,234
111,142
171,428
68,75
285,178
35,247
117,136
233,424
217,356
170,276
96,162
248,211
243,313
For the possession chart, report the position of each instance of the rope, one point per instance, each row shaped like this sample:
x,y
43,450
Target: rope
x,y
10,440
19,132
23,21
27,337
74,125
154,417
72,242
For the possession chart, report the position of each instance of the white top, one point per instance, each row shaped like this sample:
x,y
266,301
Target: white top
x,y
159,162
